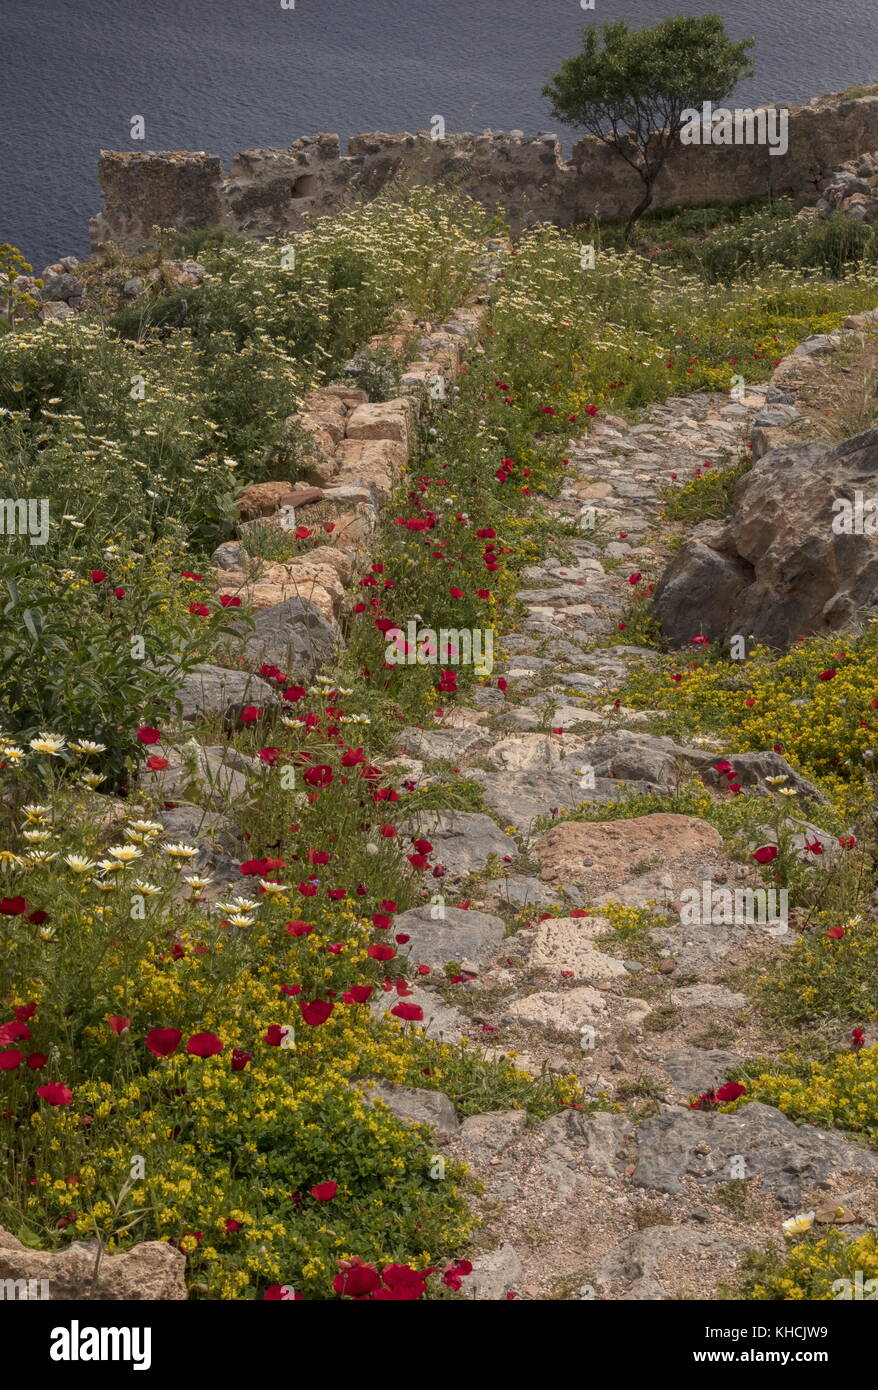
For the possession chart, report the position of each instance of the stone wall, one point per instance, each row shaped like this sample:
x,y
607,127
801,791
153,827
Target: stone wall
x,y
269,192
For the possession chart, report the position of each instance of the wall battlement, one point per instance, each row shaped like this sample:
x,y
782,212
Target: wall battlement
x,y
270,192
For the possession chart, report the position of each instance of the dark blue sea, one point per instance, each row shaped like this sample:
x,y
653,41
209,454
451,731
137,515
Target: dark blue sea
x,y
224,75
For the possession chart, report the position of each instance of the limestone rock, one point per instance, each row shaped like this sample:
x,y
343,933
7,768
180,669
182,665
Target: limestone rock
x,y
779,570
292,635
459,935
789,1158
431,1108
151,1272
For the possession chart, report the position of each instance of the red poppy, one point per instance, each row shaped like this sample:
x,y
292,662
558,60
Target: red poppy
x,y
356,1281
240,1059
316,1012
230,601
97,576
318,776
118,1024
163,1041
765,854
827,675
381,952
358,994
204,1045
298,928
54,1093
250,713
409,1013
11,1059
13,907
858,1037
37,1060
147,734
275,1035
730,1091
199,610
157,764
324,1191
835,933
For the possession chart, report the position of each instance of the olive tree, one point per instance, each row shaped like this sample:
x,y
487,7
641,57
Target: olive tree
x,y
630,88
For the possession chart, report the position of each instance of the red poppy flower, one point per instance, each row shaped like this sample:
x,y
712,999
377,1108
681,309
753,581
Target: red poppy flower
x,y
730,1091
835,933
118,1024
847,841
409,1013
13,1032
356,1281
157,764
232,1225
765,854
828,675
358,994
858,1037
293,693
97,576
275,1035
250,713
308,890
11,1059
13,907
147,734
199,610
54,1093
316,1012
240,1059
37,1060
318,776
378,952
204,1045
230,601
163,1041
324,1191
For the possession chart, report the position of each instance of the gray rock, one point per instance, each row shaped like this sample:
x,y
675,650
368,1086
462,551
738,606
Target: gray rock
x,y
530,892
292,635
217,689
598,1138
495,1274
487,1135
459,935
231,555
695,1070
789,1158
445,745
778,570
463,841
640,1258
705,996
442,1021
431,1108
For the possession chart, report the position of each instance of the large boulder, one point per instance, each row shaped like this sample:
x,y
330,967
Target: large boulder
x,y
776,569
293,635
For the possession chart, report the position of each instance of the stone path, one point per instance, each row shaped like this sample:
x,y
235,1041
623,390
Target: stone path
x,y
644,1202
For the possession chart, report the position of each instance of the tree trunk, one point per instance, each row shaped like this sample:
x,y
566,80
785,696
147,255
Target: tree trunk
x,y
635,216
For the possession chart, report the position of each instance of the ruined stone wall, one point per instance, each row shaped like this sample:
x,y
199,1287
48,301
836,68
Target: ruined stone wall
x,y
269,192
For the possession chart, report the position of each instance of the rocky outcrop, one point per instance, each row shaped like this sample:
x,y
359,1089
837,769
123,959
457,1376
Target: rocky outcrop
x,y
153,1271
272,192
783,565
